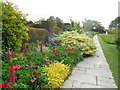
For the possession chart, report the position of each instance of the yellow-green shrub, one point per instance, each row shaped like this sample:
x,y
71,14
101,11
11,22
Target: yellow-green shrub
x,y
57,73
83,42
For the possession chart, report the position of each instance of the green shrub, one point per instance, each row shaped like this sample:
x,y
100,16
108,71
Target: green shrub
x,y
57,73
14,30
83,42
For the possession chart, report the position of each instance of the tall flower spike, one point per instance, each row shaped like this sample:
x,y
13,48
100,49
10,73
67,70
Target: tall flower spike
x,y
13,54
11,74
8,55
40,47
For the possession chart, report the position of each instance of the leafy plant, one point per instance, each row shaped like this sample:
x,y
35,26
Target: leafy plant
x,y
13,27
25,67
83,42
57,73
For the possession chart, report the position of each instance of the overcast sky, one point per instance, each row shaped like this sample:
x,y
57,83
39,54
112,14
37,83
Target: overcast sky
x,y
103,11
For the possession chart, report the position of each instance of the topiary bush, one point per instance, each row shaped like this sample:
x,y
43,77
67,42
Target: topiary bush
x,y
57,73
83,42
38,34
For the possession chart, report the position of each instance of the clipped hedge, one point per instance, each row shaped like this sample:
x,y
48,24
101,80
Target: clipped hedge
x,y
38,34
57,73
83,42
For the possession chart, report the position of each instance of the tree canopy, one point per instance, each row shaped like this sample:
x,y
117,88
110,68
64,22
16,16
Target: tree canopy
x,y
92,24
114,23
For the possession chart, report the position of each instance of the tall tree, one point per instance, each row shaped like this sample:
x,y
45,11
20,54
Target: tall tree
x,y
92,24
114,23
59,23
51,21
14,30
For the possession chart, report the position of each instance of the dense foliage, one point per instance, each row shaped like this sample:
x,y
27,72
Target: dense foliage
x,y
57,73
25,69
83,42
13,29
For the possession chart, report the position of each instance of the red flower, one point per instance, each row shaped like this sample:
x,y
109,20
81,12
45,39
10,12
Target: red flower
x,y
11,75
3,85
71,45
31,64
64,48
16,67
55,51
72,48
35,73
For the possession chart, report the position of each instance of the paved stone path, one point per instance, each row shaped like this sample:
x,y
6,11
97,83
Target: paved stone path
x,y
93,72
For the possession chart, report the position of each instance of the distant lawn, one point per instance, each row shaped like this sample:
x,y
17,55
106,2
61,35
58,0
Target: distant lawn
x,y
111,53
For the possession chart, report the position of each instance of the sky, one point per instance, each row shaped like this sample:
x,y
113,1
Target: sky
x,y
103,11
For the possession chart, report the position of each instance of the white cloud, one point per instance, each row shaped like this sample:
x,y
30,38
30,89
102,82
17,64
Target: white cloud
x,y
102,10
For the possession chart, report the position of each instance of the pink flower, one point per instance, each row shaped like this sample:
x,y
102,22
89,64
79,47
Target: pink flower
x,y
31,64
66,51
16,67
33,80
5,53
35,73
55,51
43,50
46,58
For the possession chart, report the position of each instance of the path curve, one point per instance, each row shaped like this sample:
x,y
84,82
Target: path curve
x,y
93,72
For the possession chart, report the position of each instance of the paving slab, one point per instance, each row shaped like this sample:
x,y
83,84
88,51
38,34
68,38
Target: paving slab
x,y
93,72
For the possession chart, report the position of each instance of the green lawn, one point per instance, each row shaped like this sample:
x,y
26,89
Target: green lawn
x,y
111,53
